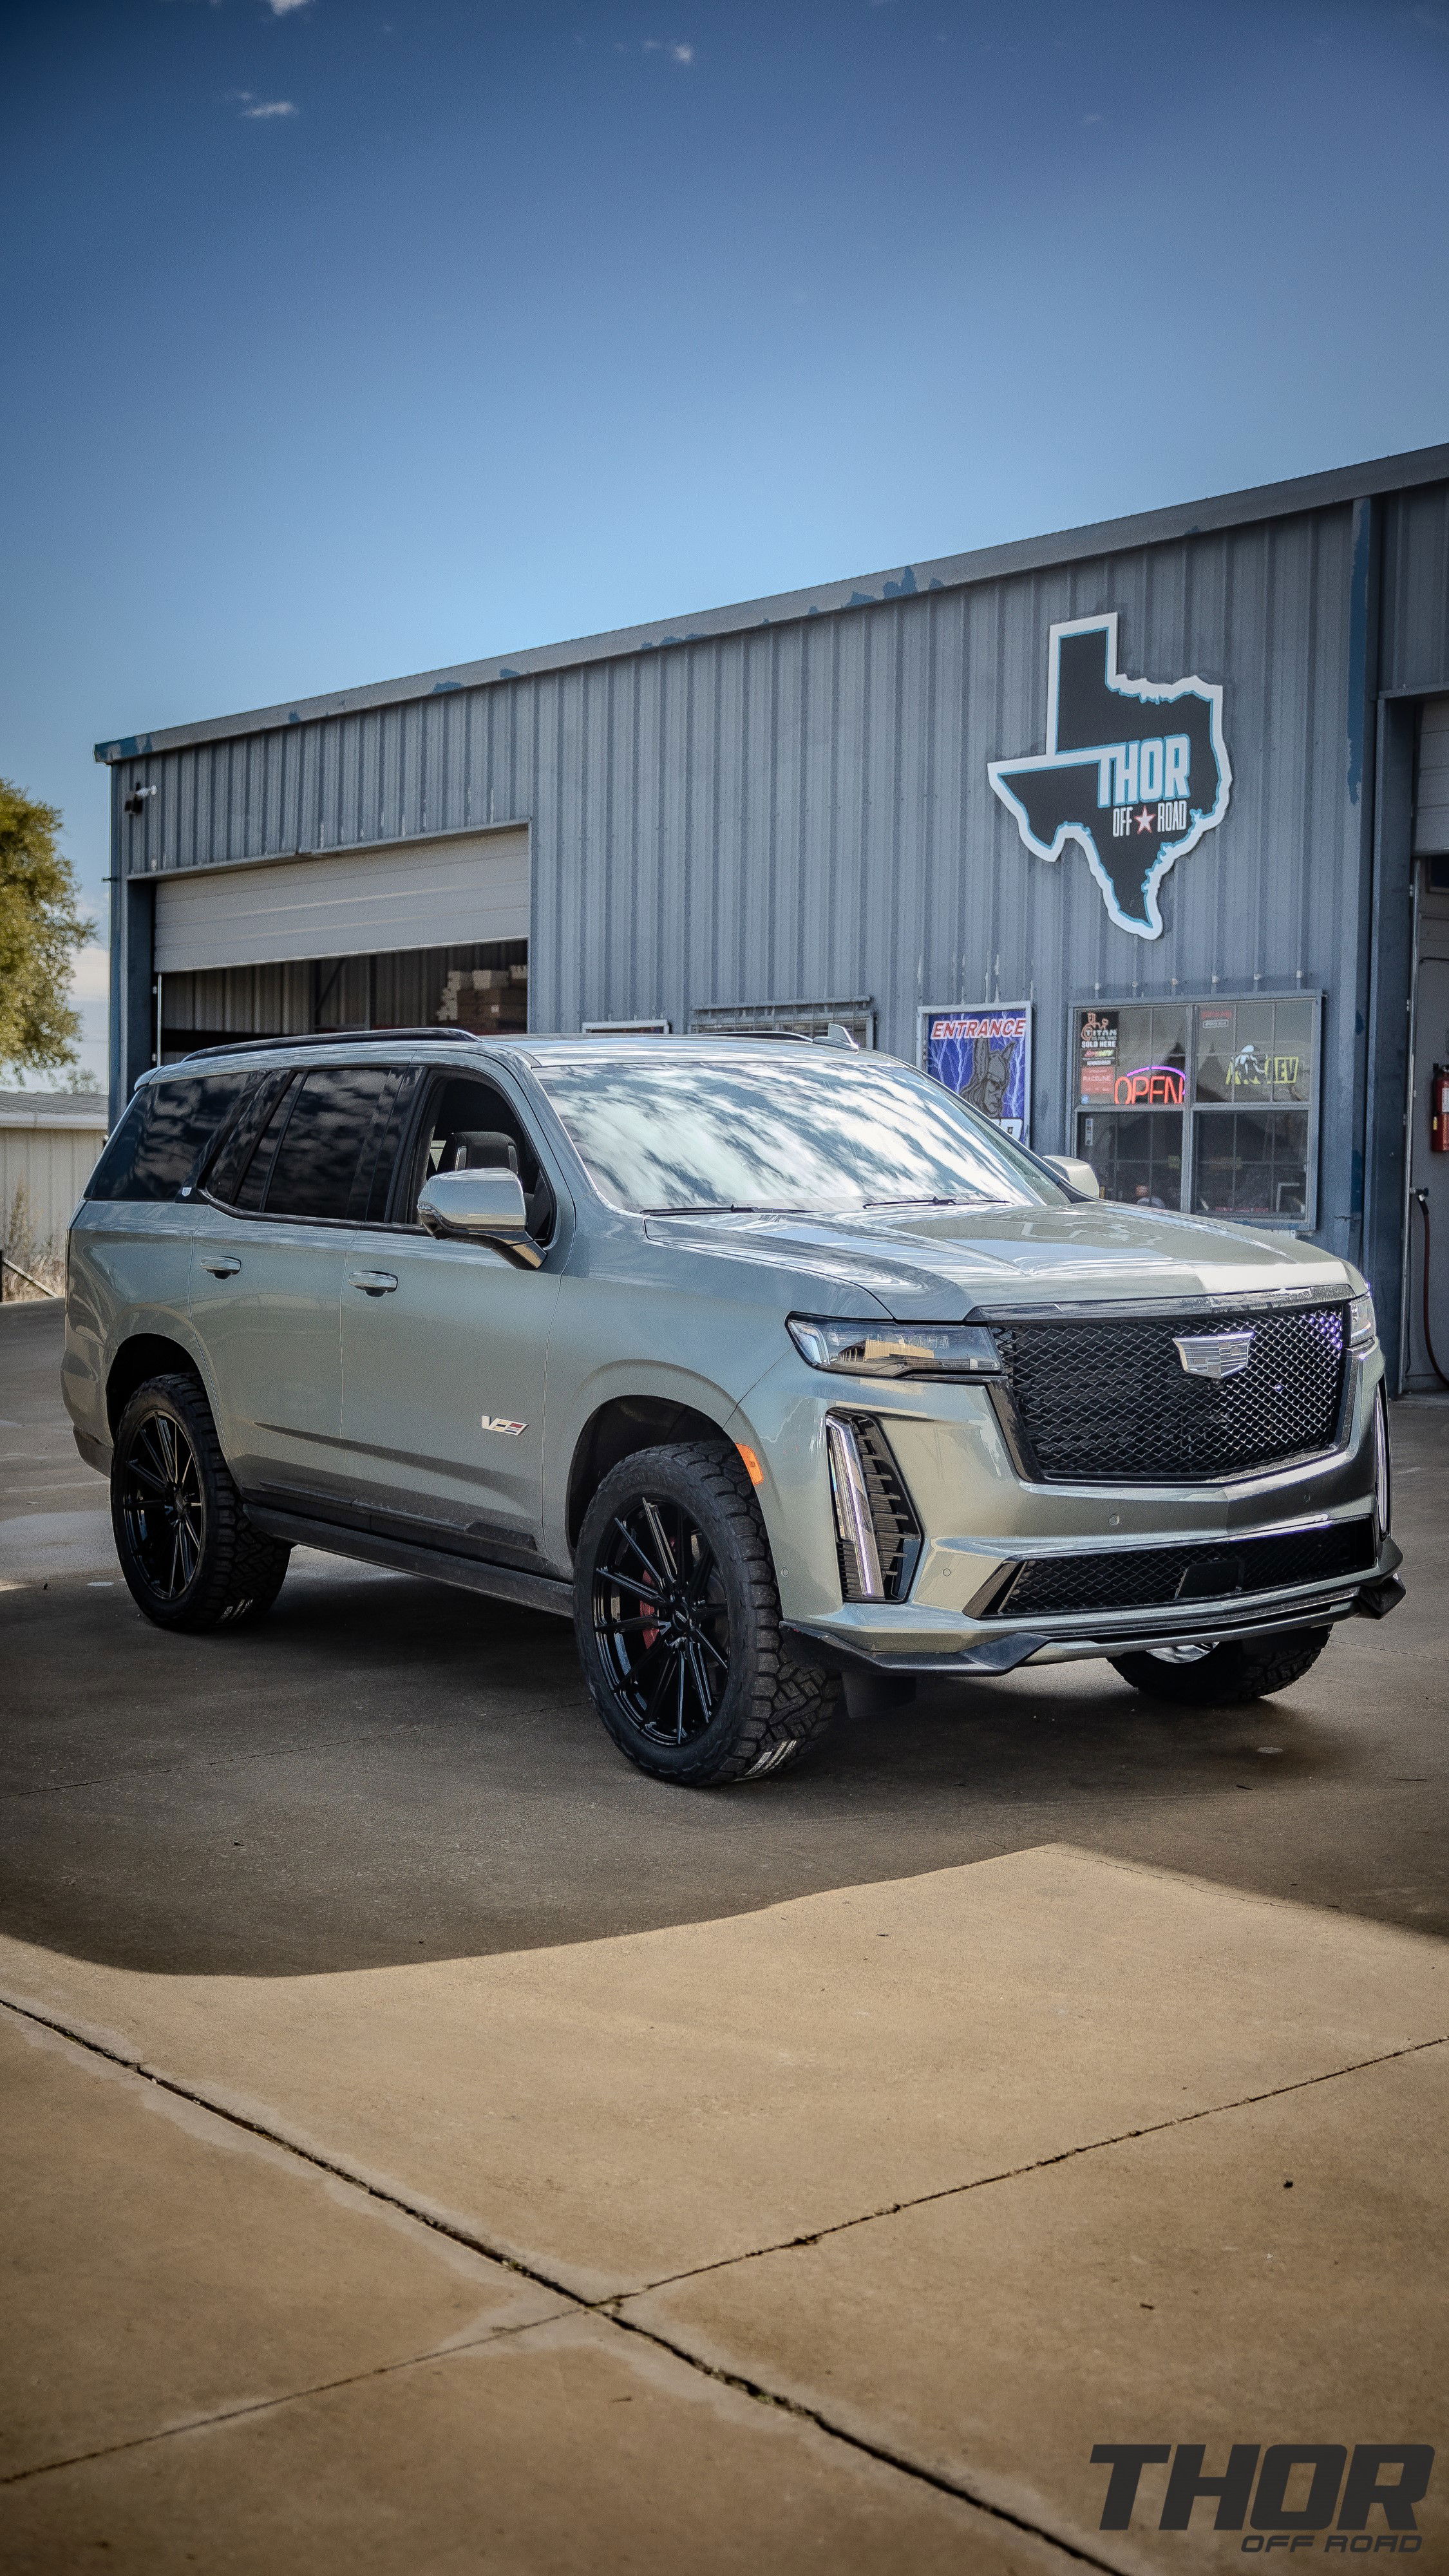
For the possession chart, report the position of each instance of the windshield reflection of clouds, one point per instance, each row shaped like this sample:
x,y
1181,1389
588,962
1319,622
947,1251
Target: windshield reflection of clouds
x,y
658,1135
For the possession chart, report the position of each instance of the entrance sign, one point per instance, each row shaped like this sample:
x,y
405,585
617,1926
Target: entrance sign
x,y
1135,771
984,1054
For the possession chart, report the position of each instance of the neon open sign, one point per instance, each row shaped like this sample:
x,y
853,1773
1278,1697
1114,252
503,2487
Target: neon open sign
x,y
1150,1086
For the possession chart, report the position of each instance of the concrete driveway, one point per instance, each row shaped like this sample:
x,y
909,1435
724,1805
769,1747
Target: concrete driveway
x,y
433,2145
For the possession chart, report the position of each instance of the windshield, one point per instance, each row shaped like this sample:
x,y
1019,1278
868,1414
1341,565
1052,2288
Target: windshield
x,y
661,1133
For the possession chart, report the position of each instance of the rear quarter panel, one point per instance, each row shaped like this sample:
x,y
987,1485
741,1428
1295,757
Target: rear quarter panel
x,y
128,1272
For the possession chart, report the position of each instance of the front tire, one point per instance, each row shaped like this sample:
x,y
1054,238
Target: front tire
x,y
677,1617
1227,1676
190,1556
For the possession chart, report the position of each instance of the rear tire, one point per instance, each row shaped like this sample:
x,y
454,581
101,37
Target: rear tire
x,y
677,1617
1227,1676
188,1552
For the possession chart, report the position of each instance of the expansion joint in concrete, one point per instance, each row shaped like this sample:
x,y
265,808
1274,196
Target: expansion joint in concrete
x,y
611,2308
1041,2164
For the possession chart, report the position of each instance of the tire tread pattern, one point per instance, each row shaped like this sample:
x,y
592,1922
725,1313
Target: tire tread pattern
x,y
242,1569
787,1708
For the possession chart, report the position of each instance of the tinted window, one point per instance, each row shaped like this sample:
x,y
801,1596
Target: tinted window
x,y
238,1145
160,1141
402,1093
112,1175
249,1188
791,1130
327,1149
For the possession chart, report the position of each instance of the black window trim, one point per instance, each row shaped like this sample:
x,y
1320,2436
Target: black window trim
x,y
296,1075
210,1154
405,1170
432,1076
227,1207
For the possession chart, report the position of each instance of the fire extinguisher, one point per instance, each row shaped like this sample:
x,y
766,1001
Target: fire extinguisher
x,y
1439,1110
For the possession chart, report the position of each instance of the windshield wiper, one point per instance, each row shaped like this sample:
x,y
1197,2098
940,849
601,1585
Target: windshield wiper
x,y
976,1202
721,1207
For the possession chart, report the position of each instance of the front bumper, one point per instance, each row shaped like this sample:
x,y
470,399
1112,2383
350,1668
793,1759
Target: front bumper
x,y
957,1615
895,1639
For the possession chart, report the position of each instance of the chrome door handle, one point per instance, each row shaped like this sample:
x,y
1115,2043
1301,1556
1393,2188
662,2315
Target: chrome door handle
x,y
222,1265
373,1283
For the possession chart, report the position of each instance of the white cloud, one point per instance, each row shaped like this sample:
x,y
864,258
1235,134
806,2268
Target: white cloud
x,y
284,8
90,982
681,53
656,45
90,975
273,107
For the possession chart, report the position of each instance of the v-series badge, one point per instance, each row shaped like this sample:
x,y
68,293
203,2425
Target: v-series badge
x,y
495,1422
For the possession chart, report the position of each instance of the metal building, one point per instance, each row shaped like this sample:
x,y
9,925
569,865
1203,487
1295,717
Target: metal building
x,y
1139,833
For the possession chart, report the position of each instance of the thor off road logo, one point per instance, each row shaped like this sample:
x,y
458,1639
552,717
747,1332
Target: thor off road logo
x,y
1134,771
1293,2495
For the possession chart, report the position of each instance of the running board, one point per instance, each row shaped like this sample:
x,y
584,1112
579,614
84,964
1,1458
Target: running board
x,y
399,1556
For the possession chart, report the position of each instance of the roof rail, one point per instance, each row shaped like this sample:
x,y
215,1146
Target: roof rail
x,y
327,1037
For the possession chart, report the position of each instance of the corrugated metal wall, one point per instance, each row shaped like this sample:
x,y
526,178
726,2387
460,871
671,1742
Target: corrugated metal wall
x,y
804,808
1415,653
43,1171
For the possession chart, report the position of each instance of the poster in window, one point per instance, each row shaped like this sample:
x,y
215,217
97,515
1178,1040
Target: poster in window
x,y
983,1053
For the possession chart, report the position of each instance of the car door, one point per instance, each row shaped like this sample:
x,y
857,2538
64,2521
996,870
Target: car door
x,y
444,1345
280,1209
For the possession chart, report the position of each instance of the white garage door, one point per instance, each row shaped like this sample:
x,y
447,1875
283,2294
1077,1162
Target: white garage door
x,y
1431,803
413,894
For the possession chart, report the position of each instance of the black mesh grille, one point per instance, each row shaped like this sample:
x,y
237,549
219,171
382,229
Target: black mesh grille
x,y
1109,1401
1152,1578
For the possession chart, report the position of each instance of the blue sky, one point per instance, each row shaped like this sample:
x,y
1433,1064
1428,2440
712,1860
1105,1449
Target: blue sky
x,y
350,337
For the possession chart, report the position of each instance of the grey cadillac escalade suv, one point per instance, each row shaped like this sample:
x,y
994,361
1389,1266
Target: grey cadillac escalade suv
x,y
767,1363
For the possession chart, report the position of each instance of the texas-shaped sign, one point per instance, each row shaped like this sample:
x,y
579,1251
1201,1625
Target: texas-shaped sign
x,y
1134,771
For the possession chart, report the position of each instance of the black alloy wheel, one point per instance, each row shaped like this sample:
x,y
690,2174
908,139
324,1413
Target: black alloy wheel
x,y
160,1499
662,1619
677,1617
190,1556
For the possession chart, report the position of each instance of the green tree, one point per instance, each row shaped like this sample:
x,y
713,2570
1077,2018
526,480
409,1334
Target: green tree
x,y
40,931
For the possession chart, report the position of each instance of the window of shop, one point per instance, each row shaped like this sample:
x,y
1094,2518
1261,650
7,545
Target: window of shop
x,y
1210,1106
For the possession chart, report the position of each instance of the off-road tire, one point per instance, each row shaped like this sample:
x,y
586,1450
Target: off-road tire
x,y
771,1710
1232,1674
237,1572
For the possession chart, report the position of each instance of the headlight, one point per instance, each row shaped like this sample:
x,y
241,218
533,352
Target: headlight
x,y
894,1350
1361,1326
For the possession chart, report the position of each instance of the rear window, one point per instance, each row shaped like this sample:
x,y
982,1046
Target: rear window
x,y
159,1143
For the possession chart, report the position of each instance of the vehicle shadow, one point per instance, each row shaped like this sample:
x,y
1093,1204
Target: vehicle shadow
x,y
385,1771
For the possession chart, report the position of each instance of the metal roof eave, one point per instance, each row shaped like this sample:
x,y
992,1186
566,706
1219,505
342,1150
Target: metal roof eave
x,y
948,572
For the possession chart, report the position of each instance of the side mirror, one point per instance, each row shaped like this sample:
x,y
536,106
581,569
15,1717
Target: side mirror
x,y
1078,1176
480,1207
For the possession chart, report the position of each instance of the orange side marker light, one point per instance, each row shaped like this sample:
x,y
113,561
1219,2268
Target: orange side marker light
x,y
753,1469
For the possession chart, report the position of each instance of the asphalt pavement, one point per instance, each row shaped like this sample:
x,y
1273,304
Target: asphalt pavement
x,y
386,1770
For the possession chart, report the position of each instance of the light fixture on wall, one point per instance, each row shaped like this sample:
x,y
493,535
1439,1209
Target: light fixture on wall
x,y
135,803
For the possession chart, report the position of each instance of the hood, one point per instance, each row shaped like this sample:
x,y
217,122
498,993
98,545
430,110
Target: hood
x,y
947,1262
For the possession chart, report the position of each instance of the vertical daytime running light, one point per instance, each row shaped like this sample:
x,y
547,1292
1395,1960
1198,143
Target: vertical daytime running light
x,y
854,1526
